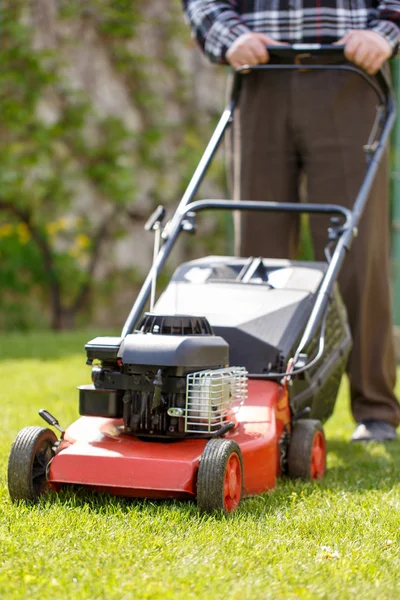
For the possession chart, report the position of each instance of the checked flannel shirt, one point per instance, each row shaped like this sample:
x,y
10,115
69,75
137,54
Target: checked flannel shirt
x,y
216,24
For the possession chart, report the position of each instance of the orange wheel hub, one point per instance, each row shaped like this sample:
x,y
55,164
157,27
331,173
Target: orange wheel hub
x,y
232,483
318,456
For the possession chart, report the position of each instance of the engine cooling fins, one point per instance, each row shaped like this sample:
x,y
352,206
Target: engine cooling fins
x,y
175,325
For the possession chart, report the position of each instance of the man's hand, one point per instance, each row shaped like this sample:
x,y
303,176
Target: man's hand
x,y
367,49
249,49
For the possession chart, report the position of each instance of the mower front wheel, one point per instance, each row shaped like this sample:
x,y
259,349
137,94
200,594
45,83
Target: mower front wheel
x,y
220,477
307,450
30,455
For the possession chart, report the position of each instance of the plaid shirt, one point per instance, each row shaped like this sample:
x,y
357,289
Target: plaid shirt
x,y
216,24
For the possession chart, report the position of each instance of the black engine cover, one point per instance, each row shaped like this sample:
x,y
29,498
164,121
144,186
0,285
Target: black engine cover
x,y
189,352
143,376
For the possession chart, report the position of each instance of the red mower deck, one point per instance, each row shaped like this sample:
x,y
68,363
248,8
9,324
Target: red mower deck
x,y
93,455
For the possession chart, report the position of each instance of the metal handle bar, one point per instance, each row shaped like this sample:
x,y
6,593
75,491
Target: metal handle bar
x,y
345,235
379,82
255,205
380,86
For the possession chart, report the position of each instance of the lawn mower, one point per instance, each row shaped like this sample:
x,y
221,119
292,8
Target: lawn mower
x,y
224,384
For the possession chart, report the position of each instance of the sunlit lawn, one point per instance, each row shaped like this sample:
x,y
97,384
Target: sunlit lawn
x,y
336,539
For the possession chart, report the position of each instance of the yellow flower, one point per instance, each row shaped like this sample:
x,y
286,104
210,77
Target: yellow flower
x,y
6,230
58,225
82,241
23,233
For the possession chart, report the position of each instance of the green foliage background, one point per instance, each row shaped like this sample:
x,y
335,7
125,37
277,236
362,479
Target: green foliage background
x,y
49,243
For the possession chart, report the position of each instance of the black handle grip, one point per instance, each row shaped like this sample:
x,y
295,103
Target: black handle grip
x,y
320,48
314,49
48,417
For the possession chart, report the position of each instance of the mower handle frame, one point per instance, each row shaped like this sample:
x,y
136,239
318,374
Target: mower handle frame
x,y
380,84
343,236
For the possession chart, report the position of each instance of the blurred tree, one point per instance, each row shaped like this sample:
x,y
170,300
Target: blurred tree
x,y
97,101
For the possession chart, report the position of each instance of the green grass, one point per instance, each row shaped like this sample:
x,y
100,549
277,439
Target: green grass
x,y
336,539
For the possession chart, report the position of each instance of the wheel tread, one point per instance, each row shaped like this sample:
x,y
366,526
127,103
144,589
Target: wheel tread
x,y
210,481
300,447
21,459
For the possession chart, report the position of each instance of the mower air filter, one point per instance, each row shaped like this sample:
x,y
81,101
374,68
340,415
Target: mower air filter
x,y
213,397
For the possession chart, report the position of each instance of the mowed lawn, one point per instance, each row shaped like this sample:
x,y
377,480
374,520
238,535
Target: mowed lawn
x,y
339,538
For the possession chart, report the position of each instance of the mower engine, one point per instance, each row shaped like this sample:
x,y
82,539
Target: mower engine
x,y
168,379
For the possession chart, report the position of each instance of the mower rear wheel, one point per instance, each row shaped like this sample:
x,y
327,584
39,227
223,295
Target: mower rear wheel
x,y
307,450
30,455
220,477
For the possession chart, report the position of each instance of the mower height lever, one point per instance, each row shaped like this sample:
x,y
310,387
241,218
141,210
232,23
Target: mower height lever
x,y
50,420
154,224
156,218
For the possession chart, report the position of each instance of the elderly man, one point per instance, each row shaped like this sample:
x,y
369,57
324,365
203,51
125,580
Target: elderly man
x,y
315,122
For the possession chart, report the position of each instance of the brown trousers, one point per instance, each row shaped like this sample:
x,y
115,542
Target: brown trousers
x,y
316,122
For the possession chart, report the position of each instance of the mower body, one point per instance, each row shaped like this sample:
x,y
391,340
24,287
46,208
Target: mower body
x,y
94,453
129,443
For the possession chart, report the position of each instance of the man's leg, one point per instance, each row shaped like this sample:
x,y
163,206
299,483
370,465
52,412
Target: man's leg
x,y
265,166
343,109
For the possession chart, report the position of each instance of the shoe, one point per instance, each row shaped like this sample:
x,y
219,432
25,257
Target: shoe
x,y
374,430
